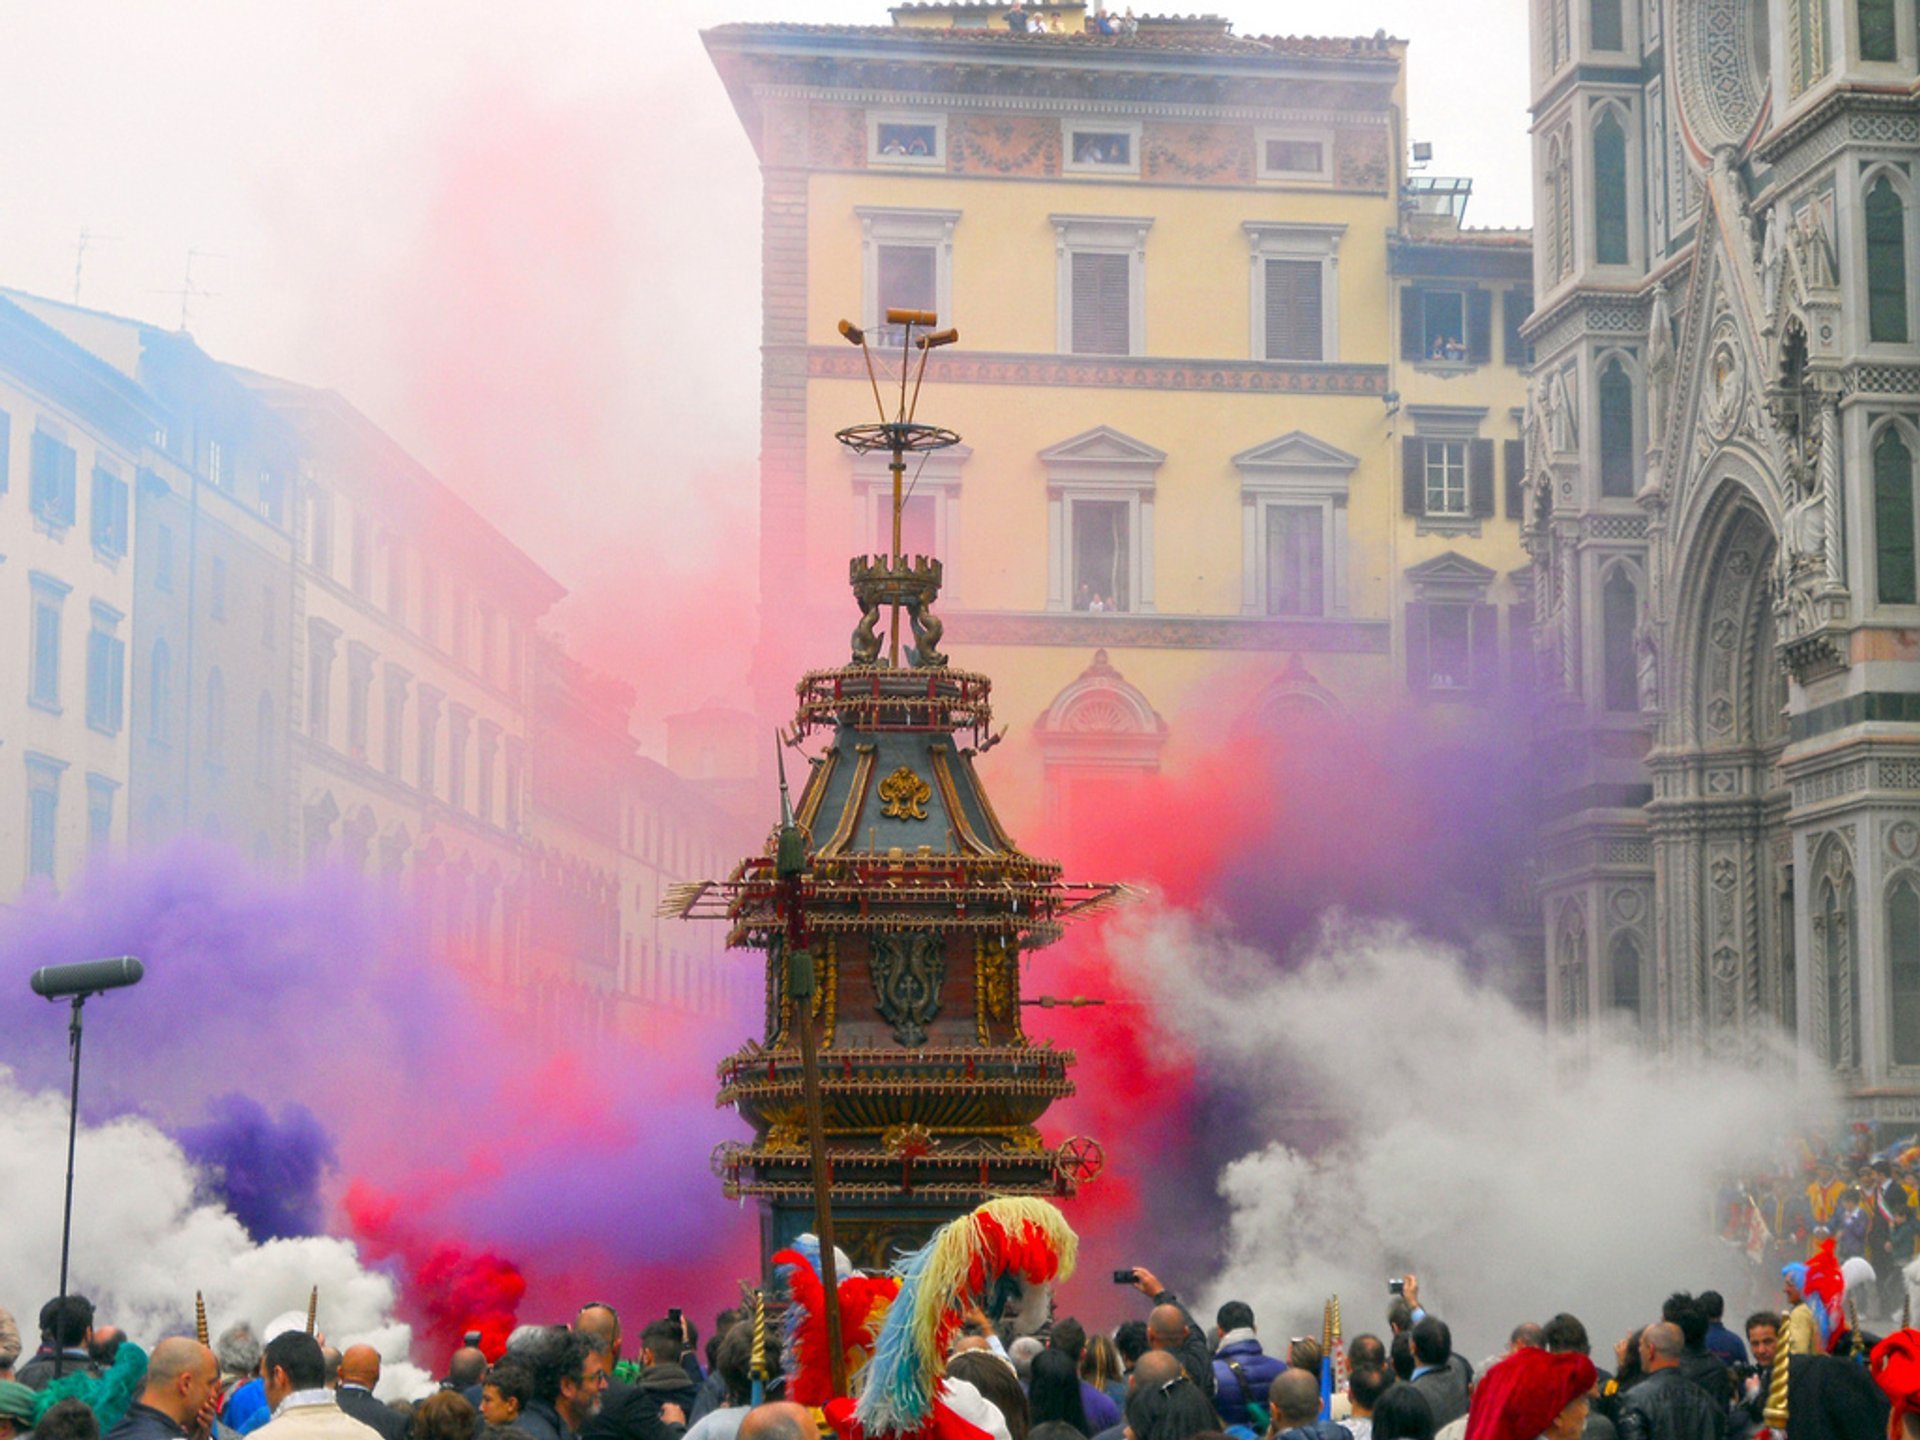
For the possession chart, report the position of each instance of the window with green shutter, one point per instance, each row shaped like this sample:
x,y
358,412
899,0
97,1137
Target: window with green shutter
x,y
1886,263
1616,432
1609,191
1893,518
1878,38
1604,25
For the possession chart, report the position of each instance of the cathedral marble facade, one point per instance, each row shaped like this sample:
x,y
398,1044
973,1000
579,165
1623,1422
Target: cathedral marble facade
x,y
1723,428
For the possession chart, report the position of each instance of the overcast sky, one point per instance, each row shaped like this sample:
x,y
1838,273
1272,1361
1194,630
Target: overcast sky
x,y
522,236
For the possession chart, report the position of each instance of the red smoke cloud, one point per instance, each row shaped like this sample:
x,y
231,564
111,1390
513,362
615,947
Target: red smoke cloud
x,y
449,1287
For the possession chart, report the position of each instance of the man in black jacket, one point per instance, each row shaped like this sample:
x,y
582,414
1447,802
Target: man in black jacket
x,y
1170,1326
66,1329
359,1372
655,1406
181,1374
1698,1364
1665,1405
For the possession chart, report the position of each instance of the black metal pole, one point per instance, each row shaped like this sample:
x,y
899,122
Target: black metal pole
x,y
73,1134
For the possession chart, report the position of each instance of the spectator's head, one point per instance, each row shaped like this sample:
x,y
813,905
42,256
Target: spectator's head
x,y
1054,1391
1565,1335
780,1420
1100,1362
1683,1310
1763,1335
1021,1353
1365,1387
1526,1336
238,1351
181,1374
467,1368
1713,1305
733,1361
1130,1339
1069,1335
292,1361
722,1323
1432,1341
1234,1315
1303,1353
1628,1354
1166,1327
1400,1355
505,1391
360,1365
444,1415
1399,1315
600,1323
70,1419
65,1321
996,1382
1365,1350
1294,1396
1661,1346
1167,1409
568,1374
331,1358
660,1343
1156,1367
1402,1413
16,1409
105,1343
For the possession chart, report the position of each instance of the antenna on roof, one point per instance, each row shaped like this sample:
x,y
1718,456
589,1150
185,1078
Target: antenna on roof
x,y
87,237
188,289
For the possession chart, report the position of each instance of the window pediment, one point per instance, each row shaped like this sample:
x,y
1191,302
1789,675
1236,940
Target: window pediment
x,y
1296,461
1451,576
1103,456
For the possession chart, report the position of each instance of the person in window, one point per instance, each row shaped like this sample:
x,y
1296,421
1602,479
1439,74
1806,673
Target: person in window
x,y
1098,604
1439,348
1455,349
1017,18
893,146
1083,597
1129,25
1103,23
919,146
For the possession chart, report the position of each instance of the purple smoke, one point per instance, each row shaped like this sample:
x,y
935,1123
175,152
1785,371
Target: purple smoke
x,y
267,1171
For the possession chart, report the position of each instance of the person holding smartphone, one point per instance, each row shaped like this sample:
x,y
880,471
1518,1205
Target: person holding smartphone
x,y
1171,1327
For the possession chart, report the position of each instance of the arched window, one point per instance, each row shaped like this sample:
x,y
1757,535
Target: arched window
x,y
1616,432
1551,250
1624,963
1878,38
159,686
1886,263
1903,963
1609,191
1603,24
263,739
1619,616
216,716
1893,519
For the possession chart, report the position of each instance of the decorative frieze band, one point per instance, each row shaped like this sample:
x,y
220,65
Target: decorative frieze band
x,y
1251,377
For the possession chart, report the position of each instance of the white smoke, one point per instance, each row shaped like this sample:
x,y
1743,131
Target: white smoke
x,y
1516,1177
144,1240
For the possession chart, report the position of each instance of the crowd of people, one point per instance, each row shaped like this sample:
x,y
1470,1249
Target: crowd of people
x,y
1867,1203
1040,21
1684,1375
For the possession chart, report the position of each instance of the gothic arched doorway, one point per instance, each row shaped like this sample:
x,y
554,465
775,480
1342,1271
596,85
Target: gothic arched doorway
x,y
1722,856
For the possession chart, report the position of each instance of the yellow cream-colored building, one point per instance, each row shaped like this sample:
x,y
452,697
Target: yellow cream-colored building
x,y
1205,477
